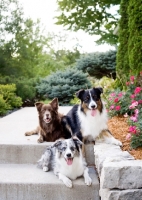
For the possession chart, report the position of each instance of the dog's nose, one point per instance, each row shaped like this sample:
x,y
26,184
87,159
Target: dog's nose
x,y
68,155
47,115
93,106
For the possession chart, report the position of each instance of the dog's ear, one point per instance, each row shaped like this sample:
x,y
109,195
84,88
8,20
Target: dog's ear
x,y
99,89
54,103
80,93
38,106
77,142
57,143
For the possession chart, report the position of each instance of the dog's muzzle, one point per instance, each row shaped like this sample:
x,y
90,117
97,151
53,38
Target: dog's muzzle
x,y
69,159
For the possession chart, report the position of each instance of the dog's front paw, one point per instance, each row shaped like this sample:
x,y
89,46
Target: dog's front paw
x,y
67,182
45,169
88,181
27,133
118,143
40,140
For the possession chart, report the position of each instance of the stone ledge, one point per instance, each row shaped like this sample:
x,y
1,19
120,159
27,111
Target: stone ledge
x,y
125,174
108,152
133,194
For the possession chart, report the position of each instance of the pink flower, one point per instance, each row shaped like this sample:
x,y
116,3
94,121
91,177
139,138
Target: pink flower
x,y
128,83
136,112
132,78
132,96
133,118
132,129
112,107
116,100
141,73
117,107
139,101
112,94
137,90
120,94
128,136
133,105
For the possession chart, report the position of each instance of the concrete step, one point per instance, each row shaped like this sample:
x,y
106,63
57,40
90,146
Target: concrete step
x,y
17,148
27,182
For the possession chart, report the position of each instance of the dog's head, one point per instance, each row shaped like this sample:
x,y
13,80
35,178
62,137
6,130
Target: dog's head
x,y
90,99
68,149
47,112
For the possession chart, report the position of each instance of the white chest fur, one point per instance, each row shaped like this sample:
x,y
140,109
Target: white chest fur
x,y
71,171
92,125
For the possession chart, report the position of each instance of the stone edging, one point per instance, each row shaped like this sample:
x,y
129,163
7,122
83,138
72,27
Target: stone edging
x,y
120,174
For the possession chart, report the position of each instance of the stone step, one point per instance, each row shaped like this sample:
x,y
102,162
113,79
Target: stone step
x,y
26,181
17,148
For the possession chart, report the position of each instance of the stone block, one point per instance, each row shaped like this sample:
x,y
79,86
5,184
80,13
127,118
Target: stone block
x,y
104,152
125,174
133,194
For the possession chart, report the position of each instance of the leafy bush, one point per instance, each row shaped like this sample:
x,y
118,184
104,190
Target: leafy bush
x,y
8,98
98,64
25,87
63,84
129,104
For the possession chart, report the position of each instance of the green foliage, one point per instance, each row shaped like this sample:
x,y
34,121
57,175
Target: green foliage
x,y
98,64
129,57
8,98
94,17
135,36
122,66
3,106
25,87
63,84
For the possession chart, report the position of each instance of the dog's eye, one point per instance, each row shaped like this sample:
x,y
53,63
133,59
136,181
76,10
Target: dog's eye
x,y
72,148
64,148
87,98
95,97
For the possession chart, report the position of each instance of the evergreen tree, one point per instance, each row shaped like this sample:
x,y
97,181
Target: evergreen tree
x,y
63,84
98,64
135,36
122,66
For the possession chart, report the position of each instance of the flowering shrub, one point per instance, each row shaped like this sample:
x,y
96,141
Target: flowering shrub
x,y
129,104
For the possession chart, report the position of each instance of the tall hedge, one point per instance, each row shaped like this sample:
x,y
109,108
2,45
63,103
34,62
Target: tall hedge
x,y
135,35
122,67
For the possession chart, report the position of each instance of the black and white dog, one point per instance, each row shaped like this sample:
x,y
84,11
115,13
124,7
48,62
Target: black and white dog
x,y
66,160
88,120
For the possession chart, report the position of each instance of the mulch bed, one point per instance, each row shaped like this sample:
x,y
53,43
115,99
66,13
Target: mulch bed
x,y
119,128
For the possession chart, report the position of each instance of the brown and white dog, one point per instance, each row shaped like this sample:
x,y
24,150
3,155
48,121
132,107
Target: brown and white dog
x,y
50,122
88,120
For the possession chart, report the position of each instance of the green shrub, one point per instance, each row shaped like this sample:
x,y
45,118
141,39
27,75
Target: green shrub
x,y
98,64
63,84
25,87
122,67
8,98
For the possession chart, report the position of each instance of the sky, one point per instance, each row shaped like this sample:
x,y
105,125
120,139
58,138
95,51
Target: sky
x,y
46,10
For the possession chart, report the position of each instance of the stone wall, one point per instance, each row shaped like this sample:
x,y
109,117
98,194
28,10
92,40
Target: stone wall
x,y
120,174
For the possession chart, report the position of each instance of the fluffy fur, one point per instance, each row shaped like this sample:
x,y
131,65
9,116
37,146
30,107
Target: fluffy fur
x,y
66,160
88,120
50,122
